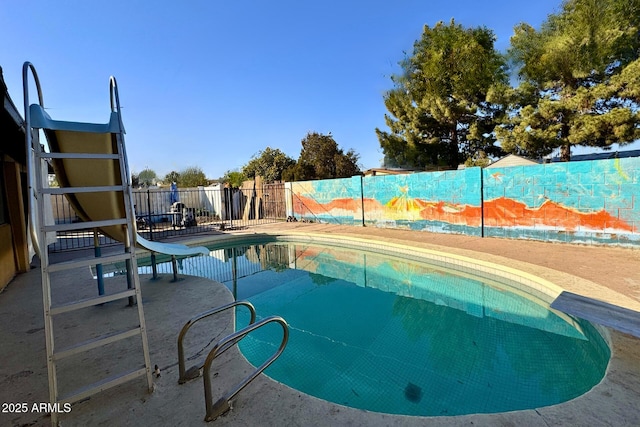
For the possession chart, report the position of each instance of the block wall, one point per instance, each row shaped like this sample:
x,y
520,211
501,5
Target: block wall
x,y
334,201
440,202
593,202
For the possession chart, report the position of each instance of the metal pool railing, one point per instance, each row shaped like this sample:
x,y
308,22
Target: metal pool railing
x,y
214,410
190,374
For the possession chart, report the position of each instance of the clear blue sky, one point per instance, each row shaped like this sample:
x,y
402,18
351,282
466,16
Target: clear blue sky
x,y
210,83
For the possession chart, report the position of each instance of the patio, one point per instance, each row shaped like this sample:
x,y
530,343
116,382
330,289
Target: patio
x,y
609,275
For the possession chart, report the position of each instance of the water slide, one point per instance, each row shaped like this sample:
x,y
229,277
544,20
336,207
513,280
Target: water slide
x,y
92,170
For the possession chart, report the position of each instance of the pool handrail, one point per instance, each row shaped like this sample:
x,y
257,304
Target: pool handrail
x,y
214,410
181,363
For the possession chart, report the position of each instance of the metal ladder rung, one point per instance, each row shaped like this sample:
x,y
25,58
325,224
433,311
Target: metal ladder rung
x,y
104,384
96,342
85,262
90,156
74,190
85,225
77,305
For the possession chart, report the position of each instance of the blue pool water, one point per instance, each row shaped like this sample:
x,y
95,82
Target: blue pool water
x,y
390,335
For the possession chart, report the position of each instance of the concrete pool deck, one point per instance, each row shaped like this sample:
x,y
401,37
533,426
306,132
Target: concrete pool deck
x,y
610,275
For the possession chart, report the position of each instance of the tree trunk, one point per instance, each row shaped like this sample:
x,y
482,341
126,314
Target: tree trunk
x,y
565,153
453,149
565,149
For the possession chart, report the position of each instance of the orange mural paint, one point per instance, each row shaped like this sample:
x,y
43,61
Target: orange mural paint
x,y
505,212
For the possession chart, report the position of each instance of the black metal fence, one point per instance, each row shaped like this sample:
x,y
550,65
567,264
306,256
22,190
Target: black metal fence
x,y
161,213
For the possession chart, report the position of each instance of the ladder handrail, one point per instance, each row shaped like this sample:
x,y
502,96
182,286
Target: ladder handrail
x,y
222,405
34,206
115,100
25,87
113,95
29,149
198,317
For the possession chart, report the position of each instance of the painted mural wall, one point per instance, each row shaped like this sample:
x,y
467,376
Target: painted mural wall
x,y
333,201
593,202
440,202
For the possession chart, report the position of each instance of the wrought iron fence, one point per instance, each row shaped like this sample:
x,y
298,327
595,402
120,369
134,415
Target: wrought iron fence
x,y
162,213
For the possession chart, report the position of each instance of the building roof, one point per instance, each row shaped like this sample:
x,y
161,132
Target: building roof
x,y
12,140
601,156
512,160
387,171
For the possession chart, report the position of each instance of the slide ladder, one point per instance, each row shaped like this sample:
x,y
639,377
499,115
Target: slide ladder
x,y
84,152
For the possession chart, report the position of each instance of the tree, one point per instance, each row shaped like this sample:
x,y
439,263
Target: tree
x,y
233,179
192,177
321,158
147,177
347,164
172,176
480,159
577,73
269,164
440,110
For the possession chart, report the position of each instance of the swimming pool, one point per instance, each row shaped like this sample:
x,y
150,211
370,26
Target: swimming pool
x,y
386,334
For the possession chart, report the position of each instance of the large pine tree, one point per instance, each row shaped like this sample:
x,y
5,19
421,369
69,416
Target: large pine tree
x,y
579,79
439,109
